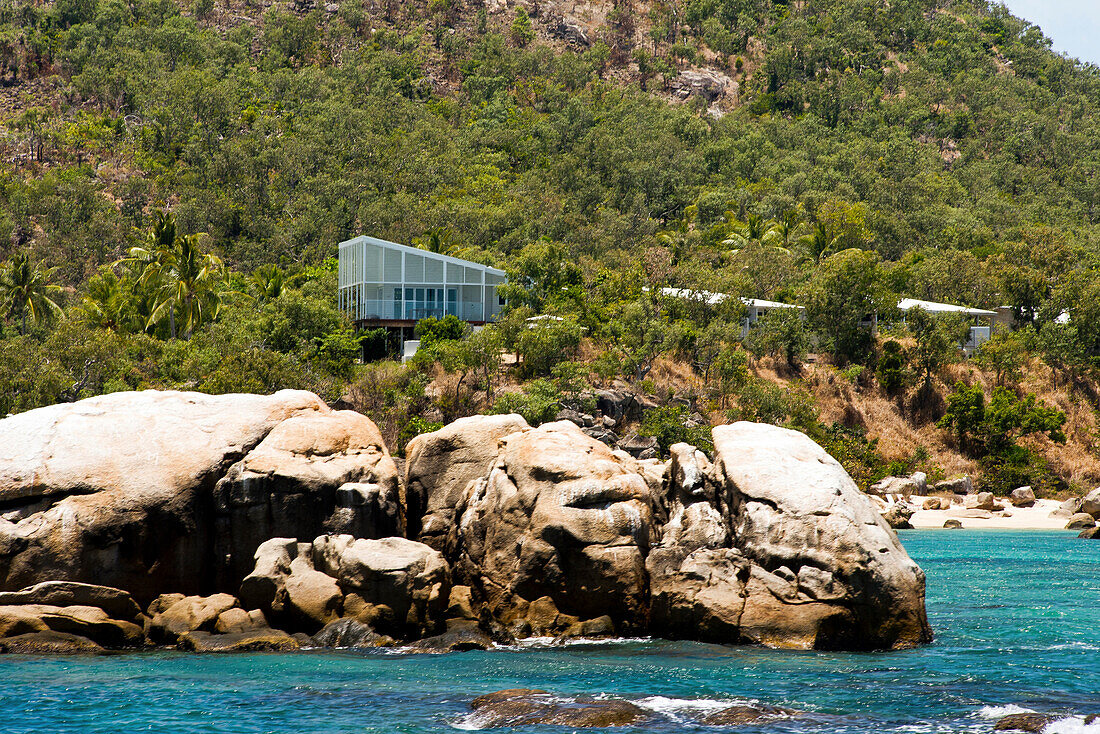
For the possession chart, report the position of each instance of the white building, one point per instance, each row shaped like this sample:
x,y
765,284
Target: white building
x,y
386,284
755,308
980,330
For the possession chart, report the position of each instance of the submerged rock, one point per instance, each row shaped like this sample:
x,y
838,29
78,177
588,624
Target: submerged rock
x,y
350,633
743,715
461,634
1024,722
525,707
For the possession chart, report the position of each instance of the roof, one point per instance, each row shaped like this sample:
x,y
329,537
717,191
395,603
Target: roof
x,y
716,298
932,307
386,244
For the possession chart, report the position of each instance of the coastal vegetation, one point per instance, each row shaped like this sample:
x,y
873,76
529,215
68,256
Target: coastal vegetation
x,y
175,179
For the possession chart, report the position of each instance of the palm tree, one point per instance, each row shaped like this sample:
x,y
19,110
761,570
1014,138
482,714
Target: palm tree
x,y
25,291
188,280
104,302
755,228
817,245
268,280
439,240
784,230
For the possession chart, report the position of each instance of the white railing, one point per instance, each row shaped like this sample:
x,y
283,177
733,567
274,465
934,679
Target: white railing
x,y
385,310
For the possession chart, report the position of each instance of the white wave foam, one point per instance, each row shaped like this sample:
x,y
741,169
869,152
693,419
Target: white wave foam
x,y
674,706
470,722
541,642
1072,725
997,712
692,710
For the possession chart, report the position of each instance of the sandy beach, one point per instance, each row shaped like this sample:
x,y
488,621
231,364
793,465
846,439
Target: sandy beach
x,y
1036,517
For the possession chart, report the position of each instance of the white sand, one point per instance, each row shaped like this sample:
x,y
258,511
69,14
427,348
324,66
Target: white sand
x,y
1014,518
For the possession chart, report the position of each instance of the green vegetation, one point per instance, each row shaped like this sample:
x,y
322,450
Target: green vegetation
x,y
936,149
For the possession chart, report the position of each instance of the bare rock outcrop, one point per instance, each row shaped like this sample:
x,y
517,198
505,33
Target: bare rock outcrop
x,y
325,471
439,465
162,491
1090,503
819,548
771,544
560,515
393,585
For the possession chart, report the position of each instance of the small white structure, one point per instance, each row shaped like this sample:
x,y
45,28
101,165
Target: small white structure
x,y
979,332
383,283
755,308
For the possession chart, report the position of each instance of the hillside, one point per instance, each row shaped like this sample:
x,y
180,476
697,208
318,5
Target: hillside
x,y
835,153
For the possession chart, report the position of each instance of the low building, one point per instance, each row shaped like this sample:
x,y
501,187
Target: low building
x,y
382,283
981,328
755,308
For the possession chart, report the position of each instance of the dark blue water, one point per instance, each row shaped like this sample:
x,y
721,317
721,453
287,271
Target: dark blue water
x,y
1016,616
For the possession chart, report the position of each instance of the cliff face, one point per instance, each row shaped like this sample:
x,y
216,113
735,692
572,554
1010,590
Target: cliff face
x,y
532,530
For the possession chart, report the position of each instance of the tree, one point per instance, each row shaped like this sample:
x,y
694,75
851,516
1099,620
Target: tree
x,y
25,291
188,281
937,342
545,343
546,277
104,304
817,244
1061,348
993,429
640,335
268,282
522,32
1004,354
965,413
780,334
891,367
432,330
847,288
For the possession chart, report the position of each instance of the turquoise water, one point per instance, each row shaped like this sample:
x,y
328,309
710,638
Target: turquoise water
x,y
1016,616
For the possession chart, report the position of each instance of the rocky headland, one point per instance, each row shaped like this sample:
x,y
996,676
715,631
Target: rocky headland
x,y
247,522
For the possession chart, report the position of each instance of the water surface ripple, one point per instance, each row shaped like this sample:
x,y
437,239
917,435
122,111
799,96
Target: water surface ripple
x,y
1016,616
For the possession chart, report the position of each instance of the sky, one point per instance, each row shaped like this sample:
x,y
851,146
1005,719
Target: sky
x,y
1073,25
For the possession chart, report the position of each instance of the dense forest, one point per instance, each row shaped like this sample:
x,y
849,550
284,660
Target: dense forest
x,y
175,179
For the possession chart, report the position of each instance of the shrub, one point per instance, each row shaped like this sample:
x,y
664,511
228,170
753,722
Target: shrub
x,y
891,367
668,424
538,403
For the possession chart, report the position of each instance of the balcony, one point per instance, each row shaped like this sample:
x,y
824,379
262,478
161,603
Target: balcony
x,y
414,310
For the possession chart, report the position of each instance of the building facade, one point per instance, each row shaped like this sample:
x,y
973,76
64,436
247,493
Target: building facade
x,y
386,284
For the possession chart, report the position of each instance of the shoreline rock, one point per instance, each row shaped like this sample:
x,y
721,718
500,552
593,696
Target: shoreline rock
x,y
523,531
